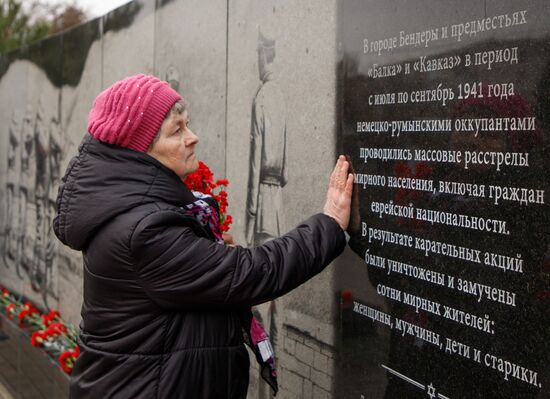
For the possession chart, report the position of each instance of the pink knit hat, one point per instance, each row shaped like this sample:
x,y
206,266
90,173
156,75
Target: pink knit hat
x,y
131,111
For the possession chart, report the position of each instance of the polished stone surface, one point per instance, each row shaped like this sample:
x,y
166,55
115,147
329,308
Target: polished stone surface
x,y
457,326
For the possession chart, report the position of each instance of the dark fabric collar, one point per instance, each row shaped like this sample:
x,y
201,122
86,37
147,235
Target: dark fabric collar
x,y
103,181
166,185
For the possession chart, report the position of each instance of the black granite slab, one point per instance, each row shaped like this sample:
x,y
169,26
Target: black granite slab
x,y
445,116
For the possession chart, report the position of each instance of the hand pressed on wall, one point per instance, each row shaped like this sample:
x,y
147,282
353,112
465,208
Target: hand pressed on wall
x,y
338,203
355,217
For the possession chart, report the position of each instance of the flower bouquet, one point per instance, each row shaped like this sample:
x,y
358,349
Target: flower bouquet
x,y
202,180
48,331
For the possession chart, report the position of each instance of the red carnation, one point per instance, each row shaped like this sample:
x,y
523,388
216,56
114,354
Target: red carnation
x,y
223,198
346,299
28,310
37,338
47,319
201,180
226,223
29,306
10,310
56,328
24,313
66,360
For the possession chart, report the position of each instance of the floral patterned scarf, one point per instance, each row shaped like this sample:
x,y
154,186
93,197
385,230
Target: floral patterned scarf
x,y
204,210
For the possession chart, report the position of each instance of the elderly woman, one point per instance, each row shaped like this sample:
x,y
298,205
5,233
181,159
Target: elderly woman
x,y
165,305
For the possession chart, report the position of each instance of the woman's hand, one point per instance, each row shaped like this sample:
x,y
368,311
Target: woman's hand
x,y
228,239
338,203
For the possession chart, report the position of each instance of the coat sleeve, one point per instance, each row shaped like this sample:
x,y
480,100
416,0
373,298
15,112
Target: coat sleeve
x,y
180,270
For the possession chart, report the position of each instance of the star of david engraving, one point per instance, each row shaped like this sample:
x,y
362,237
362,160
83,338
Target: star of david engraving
x,y
431,391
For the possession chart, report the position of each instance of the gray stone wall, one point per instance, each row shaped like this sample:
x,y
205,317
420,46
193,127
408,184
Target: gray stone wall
x,y
307,365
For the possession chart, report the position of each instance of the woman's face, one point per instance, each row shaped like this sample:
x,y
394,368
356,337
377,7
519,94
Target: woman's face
x,y
175,146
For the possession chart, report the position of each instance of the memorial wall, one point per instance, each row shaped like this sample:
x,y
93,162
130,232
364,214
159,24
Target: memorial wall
x,y
445,117
229,60
443,109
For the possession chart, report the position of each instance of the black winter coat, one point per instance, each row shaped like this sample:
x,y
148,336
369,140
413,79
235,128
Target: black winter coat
x,y
160,317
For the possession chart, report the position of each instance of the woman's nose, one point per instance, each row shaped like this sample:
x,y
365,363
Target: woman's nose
x,y
192,138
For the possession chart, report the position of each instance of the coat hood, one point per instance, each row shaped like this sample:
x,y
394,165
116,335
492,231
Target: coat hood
x,y
103,181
